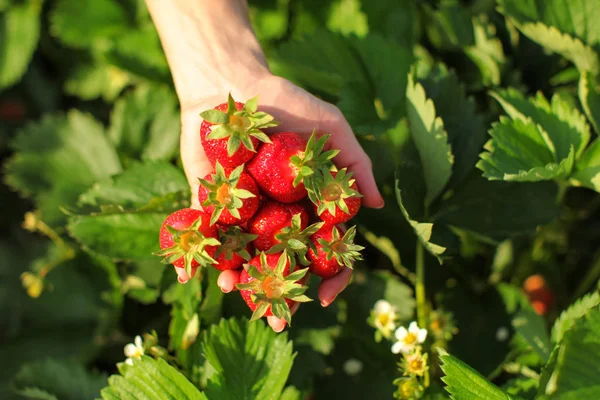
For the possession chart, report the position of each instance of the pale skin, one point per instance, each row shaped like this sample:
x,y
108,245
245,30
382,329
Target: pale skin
x,y
212,51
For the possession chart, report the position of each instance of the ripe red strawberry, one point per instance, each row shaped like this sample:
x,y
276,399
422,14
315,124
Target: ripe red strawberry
x,y
187,241
539,294
232,197
235,249
270,219
231,132
268,287
334,252
288,165
338,199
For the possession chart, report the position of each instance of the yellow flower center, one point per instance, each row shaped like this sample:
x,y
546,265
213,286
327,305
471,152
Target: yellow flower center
x,y
187,240
340,247
410,338
333,192
383,319
238,123
273,287
224,194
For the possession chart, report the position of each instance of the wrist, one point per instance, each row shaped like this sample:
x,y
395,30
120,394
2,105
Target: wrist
x,y
210,46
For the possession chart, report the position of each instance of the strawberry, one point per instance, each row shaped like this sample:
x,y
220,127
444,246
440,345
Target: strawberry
x,y
333,252
284,168
338,199
271,218
268,287
231,197
235,249
229,126
539,294
187,241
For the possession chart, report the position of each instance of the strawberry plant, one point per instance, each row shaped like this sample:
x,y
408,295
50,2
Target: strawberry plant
x,y
478,279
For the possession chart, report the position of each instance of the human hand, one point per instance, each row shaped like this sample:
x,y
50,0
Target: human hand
x,y
297,111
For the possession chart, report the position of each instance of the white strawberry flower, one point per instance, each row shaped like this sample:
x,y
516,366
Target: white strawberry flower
x,y
384,316
134,350
408,339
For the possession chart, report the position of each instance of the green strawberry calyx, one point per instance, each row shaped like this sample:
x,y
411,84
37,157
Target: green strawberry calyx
x,y
332,193
190,244
295,240
342,248
223,193
270,288
313,163
239,125
234,241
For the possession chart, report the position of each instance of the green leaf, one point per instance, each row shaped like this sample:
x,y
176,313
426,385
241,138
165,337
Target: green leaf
x,y
584,57
87,22
375,102
532,327
137,186
499,209
65,380
395,19
152,380
519,151
410,195
145,123
346,17
464,383
565,125
149,64
120,236
449,26
423,230
575,372
58,158
431,140
251,361
577,310
588,168
99,79
465,127
521,386
564,27
487,52
589,95
19,34
322,61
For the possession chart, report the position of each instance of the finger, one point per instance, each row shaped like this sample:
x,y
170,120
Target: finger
x,y
352,156
278,324
330,288
228,279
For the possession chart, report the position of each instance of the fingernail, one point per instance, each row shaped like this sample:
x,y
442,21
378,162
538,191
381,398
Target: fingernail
x,y
381,204
327,303
224,290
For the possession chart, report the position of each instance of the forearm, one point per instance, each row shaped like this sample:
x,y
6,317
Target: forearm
x,y
209,44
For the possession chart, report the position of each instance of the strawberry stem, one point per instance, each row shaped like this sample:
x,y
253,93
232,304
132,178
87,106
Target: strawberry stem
x,y
190,244
334,191
223,193
239,125
295,241
270,288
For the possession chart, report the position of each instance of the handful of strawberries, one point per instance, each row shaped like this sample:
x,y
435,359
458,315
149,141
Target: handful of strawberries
x,y
270,208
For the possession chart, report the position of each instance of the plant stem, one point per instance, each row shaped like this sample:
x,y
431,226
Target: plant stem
x,y
420,284
590,278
